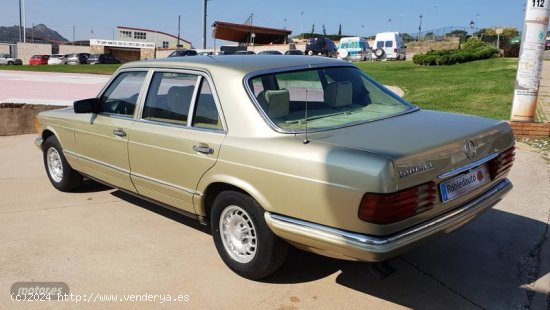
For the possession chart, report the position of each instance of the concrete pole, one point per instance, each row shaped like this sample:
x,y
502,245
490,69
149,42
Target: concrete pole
x,y
531,57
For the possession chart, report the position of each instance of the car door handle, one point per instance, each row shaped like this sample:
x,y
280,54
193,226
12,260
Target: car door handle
x,y
119,132
203,149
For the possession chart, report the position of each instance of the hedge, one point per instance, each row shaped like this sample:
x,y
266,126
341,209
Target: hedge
x,y
451,57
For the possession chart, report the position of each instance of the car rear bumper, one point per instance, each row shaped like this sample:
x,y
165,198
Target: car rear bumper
x,y
335,242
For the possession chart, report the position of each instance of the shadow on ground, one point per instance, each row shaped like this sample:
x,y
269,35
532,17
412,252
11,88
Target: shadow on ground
x,y
486,264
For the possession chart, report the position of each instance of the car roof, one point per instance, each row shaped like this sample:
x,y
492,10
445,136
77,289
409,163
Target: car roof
x,y
237,63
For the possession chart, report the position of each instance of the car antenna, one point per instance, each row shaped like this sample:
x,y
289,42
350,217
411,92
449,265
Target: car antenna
x,y
306,140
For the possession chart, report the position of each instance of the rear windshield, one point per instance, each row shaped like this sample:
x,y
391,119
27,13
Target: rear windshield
x,y
324,98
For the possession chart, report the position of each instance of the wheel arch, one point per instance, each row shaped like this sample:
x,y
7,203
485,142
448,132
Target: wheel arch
x,y
213,189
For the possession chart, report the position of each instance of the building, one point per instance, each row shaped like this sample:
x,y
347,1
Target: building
x,y
131,44
161,39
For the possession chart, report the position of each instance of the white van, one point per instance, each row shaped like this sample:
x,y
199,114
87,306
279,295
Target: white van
x,y
389,45
354,49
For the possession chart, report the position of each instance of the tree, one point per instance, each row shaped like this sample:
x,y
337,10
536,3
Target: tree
x,y
506,32
324,30
457,33
313,29
340,30
407,37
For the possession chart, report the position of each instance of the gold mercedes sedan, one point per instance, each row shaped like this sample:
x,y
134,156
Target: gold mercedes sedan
x,y
274,151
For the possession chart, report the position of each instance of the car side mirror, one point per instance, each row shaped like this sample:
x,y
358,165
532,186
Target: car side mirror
x,y
91,105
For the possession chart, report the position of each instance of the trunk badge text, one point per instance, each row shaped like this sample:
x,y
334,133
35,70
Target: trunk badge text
x,y
416,169
470,149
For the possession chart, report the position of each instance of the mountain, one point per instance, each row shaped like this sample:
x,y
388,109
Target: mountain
x,y
40,31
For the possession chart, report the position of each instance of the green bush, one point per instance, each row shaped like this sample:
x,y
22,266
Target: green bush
x,y
472,50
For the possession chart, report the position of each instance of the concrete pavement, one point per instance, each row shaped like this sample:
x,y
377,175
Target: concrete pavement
x,y
104,243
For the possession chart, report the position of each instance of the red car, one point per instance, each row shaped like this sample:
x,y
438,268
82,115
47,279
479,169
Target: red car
x,y
39,60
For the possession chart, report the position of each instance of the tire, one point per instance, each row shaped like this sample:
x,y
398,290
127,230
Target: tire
x,y
379,53
310,53
10,63
60,173
243,239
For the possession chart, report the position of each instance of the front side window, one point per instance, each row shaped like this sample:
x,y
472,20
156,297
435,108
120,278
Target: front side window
x,y
122,94
324,98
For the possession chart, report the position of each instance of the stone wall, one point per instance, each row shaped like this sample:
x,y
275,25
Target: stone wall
x,y
18,119
72,49
531,130
147,53
4,48
26,50
163,53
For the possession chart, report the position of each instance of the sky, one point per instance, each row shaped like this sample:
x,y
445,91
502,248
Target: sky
x,y
361,18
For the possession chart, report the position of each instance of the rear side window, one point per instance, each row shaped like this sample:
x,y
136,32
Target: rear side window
x,y
121,96
174,97
169,97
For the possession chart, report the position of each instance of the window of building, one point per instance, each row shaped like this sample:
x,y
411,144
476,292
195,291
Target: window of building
x,y
165,44
125,34
140,35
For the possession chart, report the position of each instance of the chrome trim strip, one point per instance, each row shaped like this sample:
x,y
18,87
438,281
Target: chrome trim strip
x,y
161,204
96,161
176,187
468,167
387,244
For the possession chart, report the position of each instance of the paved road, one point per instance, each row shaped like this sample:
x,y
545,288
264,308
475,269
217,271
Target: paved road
x,y
48,88
101,241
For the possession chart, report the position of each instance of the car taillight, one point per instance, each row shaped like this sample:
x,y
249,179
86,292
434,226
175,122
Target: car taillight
x,y
395,50
502,163
394,207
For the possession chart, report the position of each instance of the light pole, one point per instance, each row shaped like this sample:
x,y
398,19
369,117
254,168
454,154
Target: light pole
x,y
20,23
204,8
419,28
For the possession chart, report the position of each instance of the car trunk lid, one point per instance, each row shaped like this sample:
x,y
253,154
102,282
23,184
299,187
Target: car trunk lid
x,y
423,145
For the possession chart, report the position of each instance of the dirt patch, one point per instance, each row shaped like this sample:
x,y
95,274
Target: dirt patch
x,y
17,118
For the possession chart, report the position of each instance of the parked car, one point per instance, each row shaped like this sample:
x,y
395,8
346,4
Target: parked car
x,y
244,53
6,59
354,49
271,151
181,53
77,58
321,46
294,52
56,59
102,59
389,46
39,60
270,53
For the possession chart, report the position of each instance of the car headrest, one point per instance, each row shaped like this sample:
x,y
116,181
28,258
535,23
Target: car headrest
x,y
338,94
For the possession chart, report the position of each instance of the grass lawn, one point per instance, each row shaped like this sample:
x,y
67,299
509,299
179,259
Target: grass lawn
x,y
94,69
483,88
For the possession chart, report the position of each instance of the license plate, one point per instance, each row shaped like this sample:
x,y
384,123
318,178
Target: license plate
x,y
464,183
